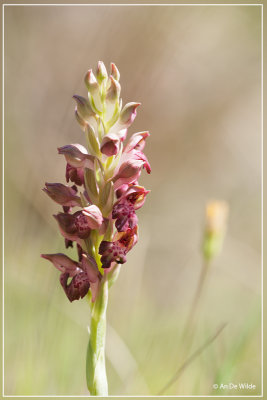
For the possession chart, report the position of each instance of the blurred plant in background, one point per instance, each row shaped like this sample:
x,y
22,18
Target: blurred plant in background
x,y
214,232
107,175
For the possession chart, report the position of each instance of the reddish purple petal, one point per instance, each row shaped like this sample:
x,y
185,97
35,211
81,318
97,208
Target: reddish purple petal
x,y
63,263
61,194
75,175
77,288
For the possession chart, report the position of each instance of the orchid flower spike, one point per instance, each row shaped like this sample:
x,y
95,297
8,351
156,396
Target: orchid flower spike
x,y
102,185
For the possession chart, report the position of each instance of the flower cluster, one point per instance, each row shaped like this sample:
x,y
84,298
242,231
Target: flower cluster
x,y
103,184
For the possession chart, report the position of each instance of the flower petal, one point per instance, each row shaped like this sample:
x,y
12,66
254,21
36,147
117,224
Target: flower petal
x,y
110,144
77,156
75,175
77,288
137,141
61,194
63,263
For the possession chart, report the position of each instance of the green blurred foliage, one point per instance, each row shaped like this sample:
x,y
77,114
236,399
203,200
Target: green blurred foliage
x,y
196,71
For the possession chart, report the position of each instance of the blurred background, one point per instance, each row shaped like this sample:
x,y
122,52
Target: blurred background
x,y
196,71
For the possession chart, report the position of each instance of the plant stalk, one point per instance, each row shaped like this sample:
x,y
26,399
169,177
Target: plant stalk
x,y
197,296
96,376
188,333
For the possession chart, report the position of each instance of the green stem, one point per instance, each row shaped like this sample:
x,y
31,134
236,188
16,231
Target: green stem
x,y
95,361
189,331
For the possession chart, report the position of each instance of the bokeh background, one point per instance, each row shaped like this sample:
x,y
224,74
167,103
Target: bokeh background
x,y
196,71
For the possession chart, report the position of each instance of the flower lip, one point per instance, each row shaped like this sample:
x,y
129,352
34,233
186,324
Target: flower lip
x,y
75,175
135,195
82,224
125,216
112,251
117,249
110,144
73,226
77,288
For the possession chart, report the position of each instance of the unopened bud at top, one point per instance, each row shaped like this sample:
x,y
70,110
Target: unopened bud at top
x,y
94,91
101,72
114,90
79,119
90,81
115,72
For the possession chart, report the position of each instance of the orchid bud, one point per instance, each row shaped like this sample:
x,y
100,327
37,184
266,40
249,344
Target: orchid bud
x,y
112,102
92,140
129,172
61,194
83,107
101,72
137,141
94,91
115,72
216,222
126,118
110,145
91,82
79,119
77,156
93,215
128,114
106,198
113,92
91,185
